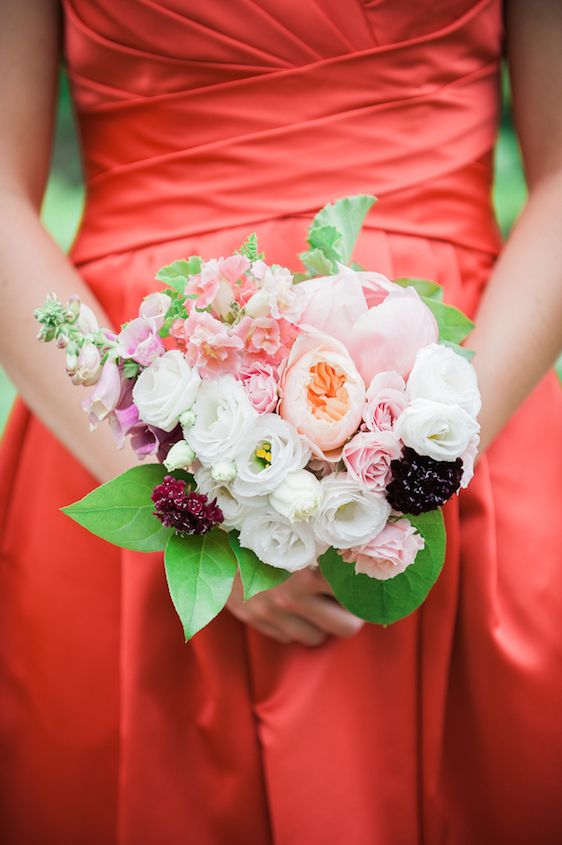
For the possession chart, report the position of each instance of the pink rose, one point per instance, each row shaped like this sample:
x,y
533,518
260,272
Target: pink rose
x,y
388,336
105,395
259,380
322,392
389,553
386,399
154,307
140,341
367,457
210,346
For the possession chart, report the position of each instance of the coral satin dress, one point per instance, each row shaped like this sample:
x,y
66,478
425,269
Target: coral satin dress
x,y
201,122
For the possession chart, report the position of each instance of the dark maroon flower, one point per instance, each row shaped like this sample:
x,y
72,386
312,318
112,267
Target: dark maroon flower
x,y
420,483
186,513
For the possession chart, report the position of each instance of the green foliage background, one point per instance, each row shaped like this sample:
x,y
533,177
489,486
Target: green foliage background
x,y
64,196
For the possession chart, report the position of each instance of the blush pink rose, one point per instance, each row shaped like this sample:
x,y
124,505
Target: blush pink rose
x,y
322,392
389,336
140,341
210,346
367,458
259,380
385,400
389,553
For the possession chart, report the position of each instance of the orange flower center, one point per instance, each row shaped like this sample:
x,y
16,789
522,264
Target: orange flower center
x,y
326,393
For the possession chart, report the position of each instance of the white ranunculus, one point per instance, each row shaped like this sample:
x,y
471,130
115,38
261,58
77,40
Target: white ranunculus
x,y
224,418
279,542
235,509
297,497
165,389
270,450
440,374
180,456
348,514
435,429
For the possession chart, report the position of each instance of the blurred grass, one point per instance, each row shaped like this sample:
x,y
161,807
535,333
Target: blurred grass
x,y
63,201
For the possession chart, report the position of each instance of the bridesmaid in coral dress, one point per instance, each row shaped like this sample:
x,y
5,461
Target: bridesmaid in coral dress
x,y
200,122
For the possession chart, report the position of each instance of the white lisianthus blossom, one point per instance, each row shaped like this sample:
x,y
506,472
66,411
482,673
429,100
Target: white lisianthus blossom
x,y
278,541
224,418
440,431
224,471
348,514
180,456
165,389
235,509
297,497
270,450
440,374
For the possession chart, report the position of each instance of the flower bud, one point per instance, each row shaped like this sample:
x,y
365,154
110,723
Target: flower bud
x,y
71,362
88,365
224,471
180,456
187,419
258,304
297,497
72,309
62,341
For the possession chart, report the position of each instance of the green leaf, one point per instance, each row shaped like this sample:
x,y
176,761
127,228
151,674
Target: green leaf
x,y
316,263
177,273
424,287
454,326
346,215
121,511
388,601
256,576
200,571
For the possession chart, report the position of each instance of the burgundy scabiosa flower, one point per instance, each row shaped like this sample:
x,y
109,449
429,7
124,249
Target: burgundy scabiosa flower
x,y
185,512
420,483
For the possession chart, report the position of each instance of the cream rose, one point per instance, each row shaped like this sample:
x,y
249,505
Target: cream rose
x,y
165,389
440,431
442,375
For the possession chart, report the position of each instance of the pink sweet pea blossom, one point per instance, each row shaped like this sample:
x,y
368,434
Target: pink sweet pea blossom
x,y
259,380
367,457
211,347
140,341
386,399
389,553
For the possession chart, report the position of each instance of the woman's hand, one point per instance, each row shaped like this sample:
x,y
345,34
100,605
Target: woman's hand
x,y
301,610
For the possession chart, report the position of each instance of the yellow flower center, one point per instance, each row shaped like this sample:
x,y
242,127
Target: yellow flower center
x,y
263,453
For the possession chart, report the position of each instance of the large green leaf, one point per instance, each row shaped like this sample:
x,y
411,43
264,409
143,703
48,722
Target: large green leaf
x,y
388,601
177,273
121,510
256,576
333,233
454,326
200,571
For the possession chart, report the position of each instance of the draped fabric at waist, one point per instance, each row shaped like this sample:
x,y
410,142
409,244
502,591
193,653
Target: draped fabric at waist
x,y
414,123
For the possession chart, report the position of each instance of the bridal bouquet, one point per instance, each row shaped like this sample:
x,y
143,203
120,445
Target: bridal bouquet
x,y
319,418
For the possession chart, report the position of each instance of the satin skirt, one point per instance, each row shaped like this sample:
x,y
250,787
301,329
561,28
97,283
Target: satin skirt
x,y
443,729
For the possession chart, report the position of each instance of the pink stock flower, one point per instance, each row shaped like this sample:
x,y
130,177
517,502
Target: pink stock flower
x,y
105,395
140,341
389,336
214,285
389,553
386,399
210,346
260,335
259,380
367,457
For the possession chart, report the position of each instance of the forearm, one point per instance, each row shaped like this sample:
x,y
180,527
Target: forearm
x,y
31,266
518,333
